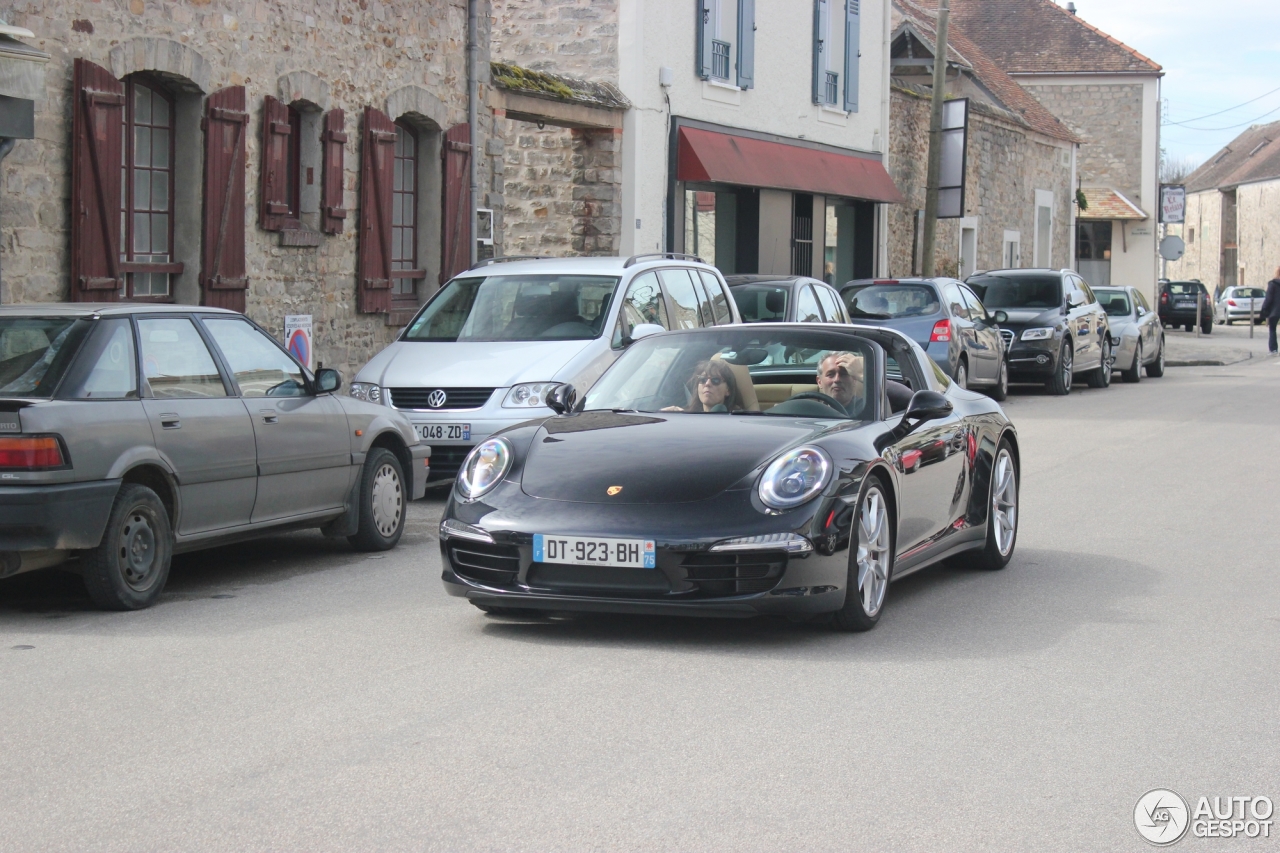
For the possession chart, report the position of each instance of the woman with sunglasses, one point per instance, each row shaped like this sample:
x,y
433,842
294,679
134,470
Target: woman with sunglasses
x,y
714,389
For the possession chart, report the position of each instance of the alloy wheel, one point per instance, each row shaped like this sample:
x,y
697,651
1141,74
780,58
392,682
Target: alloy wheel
x,y
1066,366
138,563
387,499
962,375
874,543
1004,502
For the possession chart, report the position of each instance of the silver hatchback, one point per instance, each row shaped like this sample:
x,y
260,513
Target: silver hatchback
x,y
494,342
129,433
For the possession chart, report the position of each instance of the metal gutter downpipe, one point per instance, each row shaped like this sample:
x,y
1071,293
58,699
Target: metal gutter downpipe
x,y
473,117
6,145
928,268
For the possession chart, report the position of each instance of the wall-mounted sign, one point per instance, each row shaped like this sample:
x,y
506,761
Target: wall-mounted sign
x,y
955,129
1173,203
297,339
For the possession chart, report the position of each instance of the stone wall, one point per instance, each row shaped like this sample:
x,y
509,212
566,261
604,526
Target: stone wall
x,y
577,38
1006,164
1108,120
1257,235
352,54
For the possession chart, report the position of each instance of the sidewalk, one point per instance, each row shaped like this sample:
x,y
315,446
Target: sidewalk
x,y
1227,345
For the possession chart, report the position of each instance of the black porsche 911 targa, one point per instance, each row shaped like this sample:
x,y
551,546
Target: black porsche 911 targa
x,y
735,471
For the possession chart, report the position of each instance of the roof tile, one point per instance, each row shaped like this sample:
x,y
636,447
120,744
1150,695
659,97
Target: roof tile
x,y
1252,156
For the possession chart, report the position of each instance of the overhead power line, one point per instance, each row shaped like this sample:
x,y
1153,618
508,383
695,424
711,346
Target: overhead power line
x,y
1227,110
1230,127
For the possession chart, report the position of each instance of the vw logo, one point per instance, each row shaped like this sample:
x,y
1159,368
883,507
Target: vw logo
x,y
436,398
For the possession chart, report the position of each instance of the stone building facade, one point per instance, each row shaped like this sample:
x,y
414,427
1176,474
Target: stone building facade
x,y
325,65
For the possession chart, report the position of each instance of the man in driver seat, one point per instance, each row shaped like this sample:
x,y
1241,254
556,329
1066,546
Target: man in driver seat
x,y
842,377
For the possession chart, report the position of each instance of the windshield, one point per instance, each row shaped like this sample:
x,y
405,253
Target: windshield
x,y
35,351
516,308
1018,291
761,303
1116,302
746,371
887,301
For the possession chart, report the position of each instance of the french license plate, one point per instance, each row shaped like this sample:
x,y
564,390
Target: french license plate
x,y
443,432
1185,304
595,551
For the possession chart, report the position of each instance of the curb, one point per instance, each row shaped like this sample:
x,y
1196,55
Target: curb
x,y
1205,362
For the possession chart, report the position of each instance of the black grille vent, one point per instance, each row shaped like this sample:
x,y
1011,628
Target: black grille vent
x,y
735,573
446,459
1007,334
495,565
454,398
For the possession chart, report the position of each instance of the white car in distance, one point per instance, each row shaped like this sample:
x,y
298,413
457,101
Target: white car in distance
x,y
485,351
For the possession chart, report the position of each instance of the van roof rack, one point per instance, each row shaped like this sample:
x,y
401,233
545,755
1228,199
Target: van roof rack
x,y
677,256
505,258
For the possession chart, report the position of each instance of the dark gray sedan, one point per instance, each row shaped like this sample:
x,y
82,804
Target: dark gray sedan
x,y
785,299
129,433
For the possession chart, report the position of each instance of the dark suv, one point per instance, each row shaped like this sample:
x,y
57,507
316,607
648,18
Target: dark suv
x,y
1177,305
1052,324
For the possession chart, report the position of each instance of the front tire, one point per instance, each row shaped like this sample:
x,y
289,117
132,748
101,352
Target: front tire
x,y
382,502
1002,514
1060,384
1134,374
1001,389
1100,377
1156,368
130,567
870,562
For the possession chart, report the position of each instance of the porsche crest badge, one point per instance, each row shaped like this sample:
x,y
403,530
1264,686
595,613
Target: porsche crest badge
x,y
613,490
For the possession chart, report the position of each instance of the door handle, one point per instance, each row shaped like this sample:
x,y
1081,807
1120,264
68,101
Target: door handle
x,y
170,420
269,416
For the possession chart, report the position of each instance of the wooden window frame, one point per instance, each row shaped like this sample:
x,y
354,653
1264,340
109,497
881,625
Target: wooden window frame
x,y
415,272
128,267
293,172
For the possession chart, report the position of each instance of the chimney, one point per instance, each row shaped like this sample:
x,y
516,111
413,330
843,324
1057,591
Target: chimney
x,y
1071,8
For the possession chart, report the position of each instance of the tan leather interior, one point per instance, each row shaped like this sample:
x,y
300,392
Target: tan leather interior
x,y
771,395
745,387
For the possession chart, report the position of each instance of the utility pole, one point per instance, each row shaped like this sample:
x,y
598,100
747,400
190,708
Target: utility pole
x,y
929,268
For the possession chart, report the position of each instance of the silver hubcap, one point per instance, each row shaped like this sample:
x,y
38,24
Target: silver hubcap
x,y
873,551
137,555
962,376
388,500
1004,502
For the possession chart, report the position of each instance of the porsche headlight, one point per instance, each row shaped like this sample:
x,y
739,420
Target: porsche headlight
x,y
529,395
795,477
1037,334
368,392
484,467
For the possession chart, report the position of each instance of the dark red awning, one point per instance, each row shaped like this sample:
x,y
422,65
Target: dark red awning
x,y
705,155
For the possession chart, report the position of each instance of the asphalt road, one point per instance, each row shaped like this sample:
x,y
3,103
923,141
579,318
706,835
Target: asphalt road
x,y
294,695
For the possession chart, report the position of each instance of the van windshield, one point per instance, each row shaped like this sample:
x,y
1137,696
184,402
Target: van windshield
x,y
516,308
1018,291
35,351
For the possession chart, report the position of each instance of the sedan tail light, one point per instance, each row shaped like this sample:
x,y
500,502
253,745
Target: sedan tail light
x,y
30,453
1231,302
941,332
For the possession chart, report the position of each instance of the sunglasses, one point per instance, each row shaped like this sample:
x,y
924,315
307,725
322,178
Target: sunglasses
x,y
704,379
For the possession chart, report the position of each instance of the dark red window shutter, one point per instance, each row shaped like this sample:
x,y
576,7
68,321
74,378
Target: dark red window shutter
x,y
273,197
222,268
456,254
378,152
334,141
97,137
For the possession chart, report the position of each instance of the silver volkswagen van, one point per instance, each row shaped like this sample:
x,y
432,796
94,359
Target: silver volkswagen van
x,y
490,345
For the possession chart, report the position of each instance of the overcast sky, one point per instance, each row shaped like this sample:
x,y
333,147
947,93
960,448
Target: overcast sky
x,y
1216,55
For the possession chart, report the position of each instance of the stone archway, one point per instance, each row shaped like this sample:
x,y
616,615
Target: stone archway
x,y
178,64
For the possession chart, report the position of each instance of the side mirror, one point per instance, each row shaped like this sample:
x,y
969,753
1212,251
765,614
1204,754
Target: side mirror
x,y
644,330
1000,316
928,406
1075,299
562,399
328,380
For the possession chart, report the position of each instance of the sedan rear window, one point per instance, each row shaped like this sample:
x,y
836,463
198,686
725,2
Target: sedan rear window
x,y
761,303
1249,293
889,301
1018,291
1116,304
1185,288
35,352
516,308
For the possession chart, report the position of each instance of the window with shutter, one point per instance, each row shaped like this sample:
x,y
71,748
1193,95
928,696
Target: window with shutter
x,y
852,51
706,35
222,275
456,247
147,190
278,156
377,171
405,272
334,142
97,133
821,28
747,44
